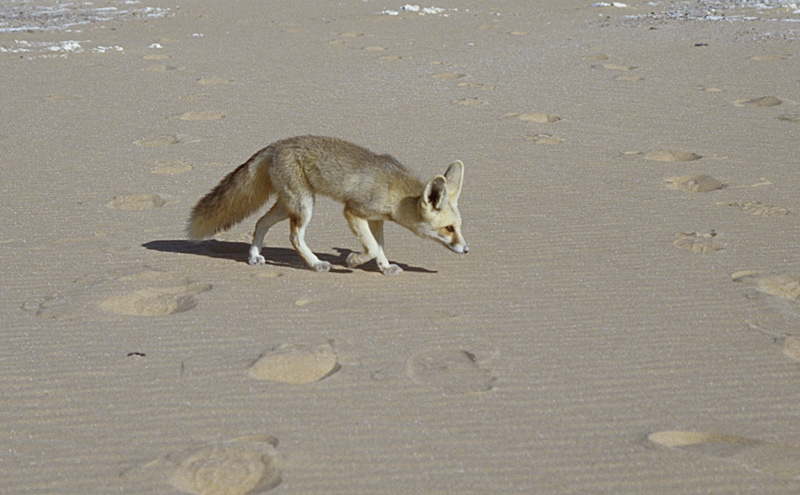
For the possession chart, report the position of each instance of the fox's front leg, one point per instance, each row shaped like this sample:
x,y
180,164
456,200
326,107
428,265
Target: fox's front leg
x,y
370,233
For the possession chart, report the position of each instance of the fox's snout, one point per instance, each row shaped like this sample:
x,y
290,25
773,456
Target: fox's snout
x,y
458,248
455,243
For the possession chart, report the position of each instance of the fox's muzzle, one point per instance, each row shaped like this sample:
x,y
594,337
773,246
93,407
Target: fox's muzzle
x,y
458,248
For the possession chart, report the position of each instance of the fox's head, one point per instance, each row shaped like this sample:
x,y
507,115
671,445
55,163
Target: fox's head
x,y
438,209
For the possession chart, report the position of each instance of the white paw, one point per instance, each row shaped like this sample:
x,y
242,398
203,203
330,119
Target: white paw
x,y
356,259
391,270
322,266
256,260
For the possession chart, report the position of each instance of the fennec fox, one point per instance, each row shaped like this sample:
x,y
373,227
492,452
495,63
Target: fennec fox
x,y
373,188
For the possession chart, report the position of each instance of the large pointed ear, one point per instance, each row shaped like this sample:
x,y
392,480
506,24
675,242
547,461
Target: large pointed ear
x,y
454,176
435,193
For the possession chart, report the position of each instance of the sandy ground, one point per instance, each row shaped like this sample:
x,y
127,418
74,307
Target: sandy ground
x,y
626,320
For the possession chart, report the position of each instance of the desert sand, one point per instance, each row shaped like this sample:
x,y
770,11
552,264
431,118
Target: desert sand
x,y
627,320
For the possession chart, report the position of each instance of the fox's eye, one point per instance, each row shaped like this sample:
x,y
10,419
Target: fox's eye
x,y
450,229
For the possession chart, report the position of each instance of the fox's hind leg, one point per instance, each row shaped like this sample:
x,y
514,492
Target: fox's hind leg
x,y
370,233
276,214
299,216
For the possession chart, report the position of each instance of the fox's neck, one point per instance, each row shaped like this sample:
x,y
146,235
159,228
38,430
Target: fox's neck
x,y
407,213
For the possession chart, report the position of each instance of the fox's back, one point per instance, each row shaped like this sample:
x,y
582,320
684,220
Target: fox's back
x,y
345,171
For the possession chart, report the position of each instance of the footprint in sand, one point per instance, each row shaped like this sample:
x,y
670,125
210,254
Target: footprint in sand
x,y
452,371
698,242
628,78
614,67
158,141
135,202
762,102
140,292
758,208
778,460
789,344
155,301
153,293
781,285
214,80
469,102
166,140
695,183
596,57
202,115
171,167
296,364
671,156
777,298
161,68
789,117
535,117
543,139
449,75
56,306
242,466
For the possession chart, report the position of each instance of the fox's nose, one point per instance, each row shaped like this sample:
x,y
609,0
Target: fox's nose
x,y
466,249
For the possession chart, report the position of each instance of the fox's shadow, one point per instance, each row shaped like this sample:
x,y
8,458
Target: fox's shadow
x,y
239,251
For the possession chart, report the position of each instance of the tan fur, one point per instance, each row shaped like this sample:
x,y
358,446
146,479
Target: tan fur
x,y
372,187
240,194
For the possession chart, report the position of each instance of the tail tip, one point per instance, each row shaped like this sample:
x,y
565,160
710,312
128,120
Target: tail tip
x,y
194,232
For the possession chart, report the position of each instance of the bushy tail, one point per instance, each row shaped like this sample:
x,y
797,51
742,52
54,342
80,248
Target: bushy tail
x,y
235,198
